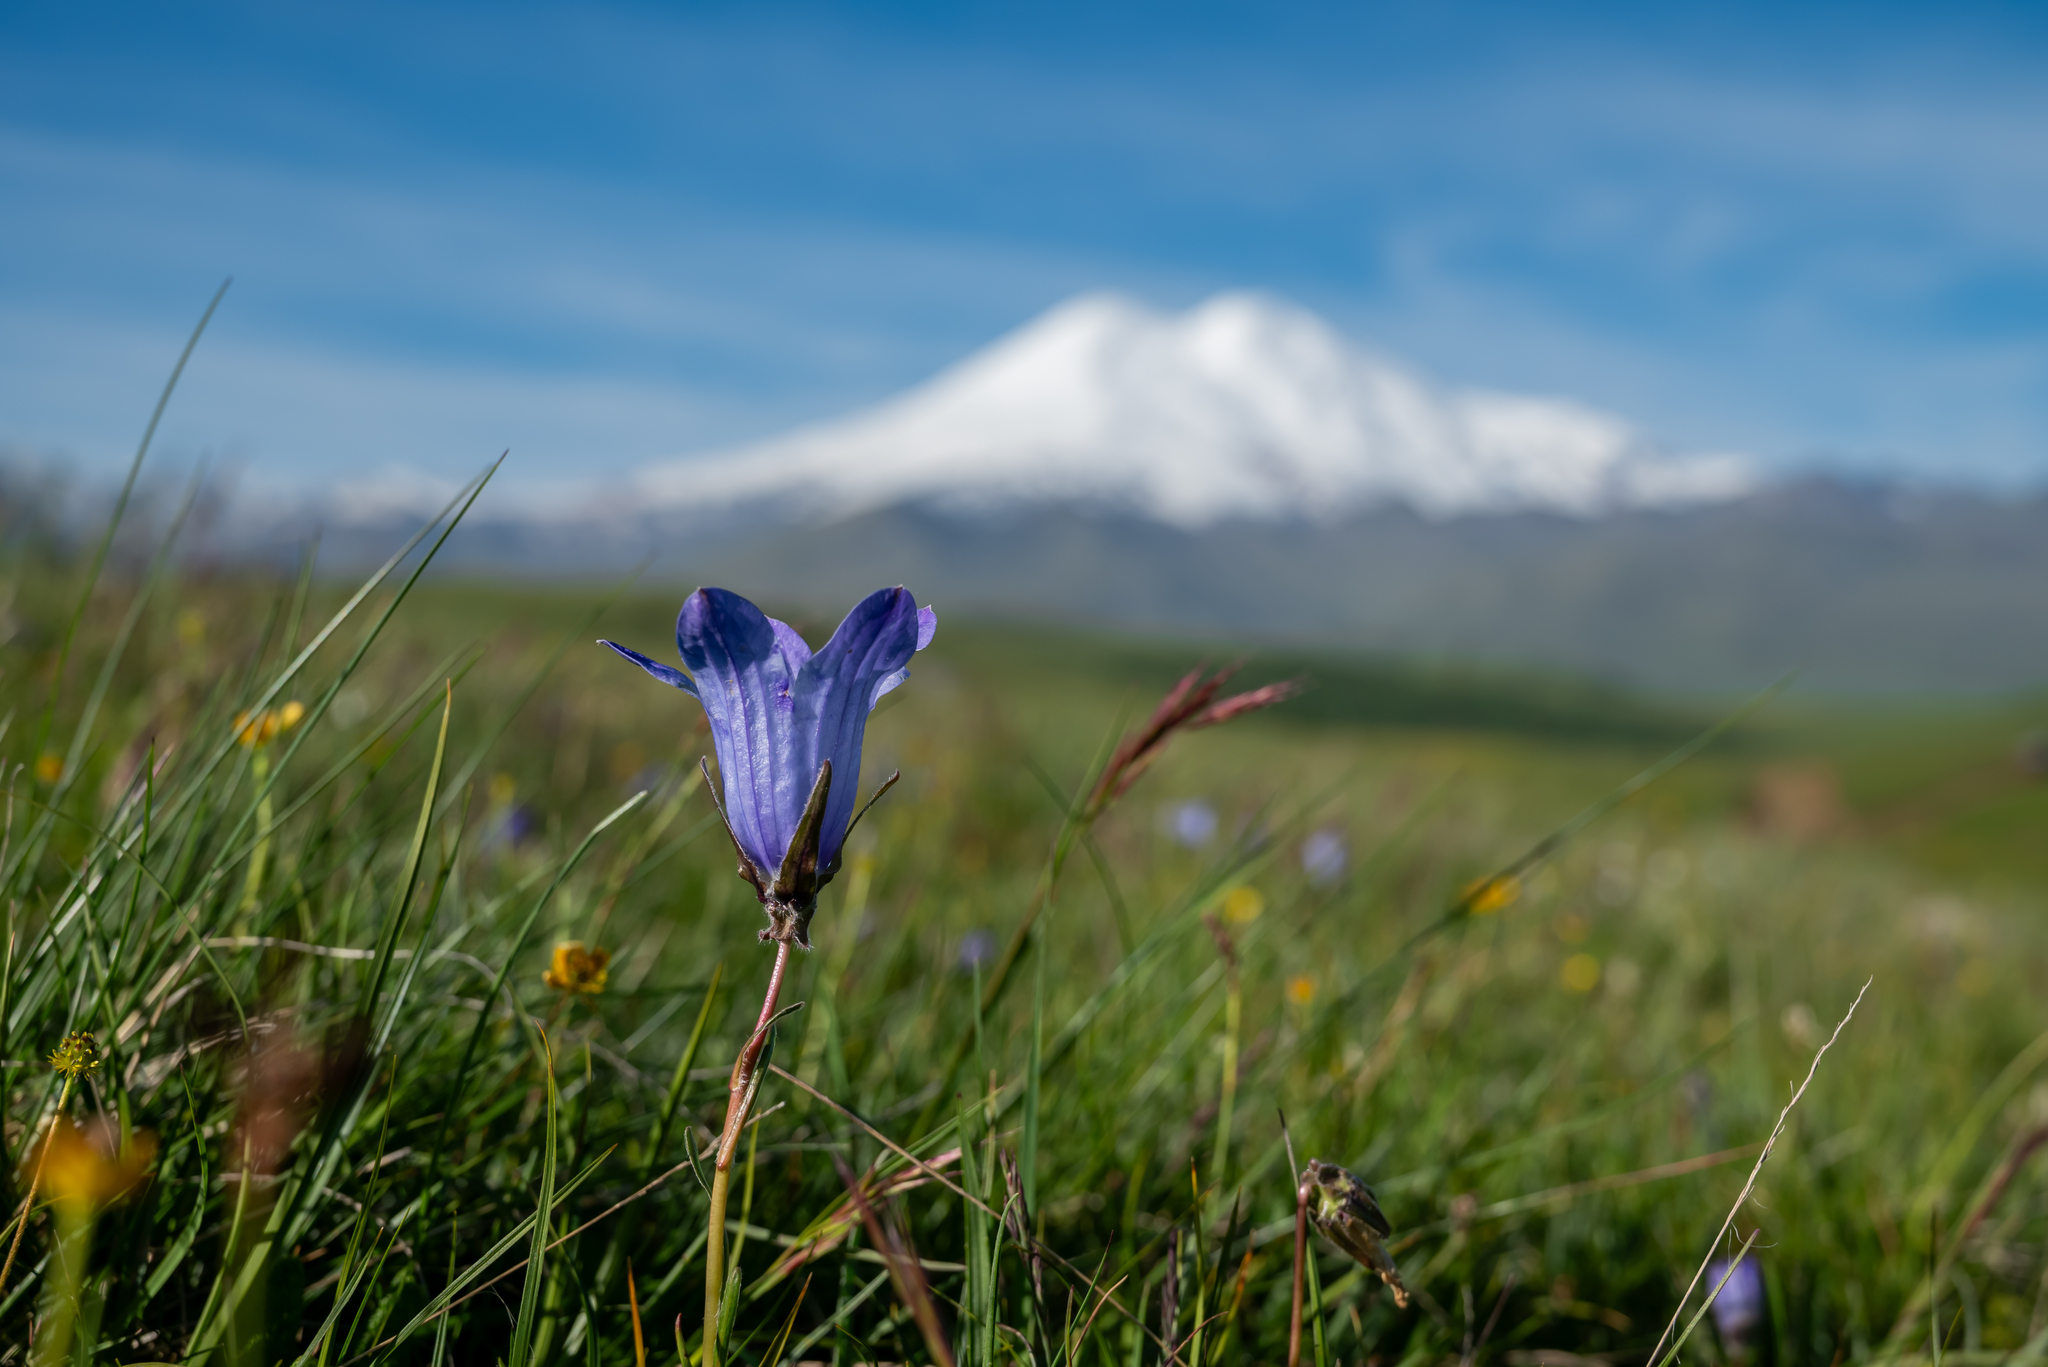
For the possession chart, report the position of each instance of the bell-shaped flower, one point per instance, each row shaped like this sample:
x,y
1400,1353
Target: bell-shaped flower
x,y
787,724
1740,1306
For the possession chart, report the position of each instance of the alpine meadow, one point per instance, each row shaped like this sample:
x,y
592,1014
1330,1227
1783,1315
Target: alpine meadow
x,y
833,683
376,970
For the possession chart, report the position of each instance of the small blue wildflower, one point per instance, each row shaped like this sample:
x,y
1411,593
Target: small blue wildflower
x,y
977,947
1324,858
1740,1306
788,724
512,827
1192,823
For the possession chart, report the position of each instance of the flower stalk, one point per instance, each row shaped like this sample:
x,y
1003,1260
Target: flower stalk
x,y
28,1202
1300,1263
254,732
746,1081
86,1174
1233,1022
77,1055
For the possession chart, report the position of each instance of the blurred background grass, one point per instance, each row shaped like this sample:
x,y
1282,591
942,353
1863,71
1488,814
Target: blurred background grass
x,y
1515,1084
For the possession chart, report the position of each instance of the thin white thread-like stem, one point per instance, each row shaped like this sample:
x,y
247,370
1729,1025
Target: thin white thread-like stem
x,y
1656,1354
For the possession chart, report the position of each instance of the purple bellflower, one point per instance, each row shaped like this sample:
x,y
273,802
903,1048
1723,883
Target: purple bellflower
x,y
1740,1306
787,724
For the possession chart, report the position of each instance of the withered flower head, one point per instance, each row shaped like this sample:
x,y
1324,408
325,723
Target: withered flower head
x,y
1343,1207
77,1055
579,970
86,1171
282,1083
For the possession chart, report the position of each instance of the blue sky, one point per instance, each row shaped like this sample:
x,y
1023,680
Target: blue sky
x,y
604,235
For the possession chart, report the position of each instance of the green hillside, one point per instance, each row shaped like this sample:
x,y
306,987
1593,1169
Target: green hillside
x,y
1556,1090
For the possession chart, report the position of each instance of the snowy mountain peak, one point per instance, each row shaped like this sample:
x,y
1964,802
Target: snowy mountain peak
x,y
1243,407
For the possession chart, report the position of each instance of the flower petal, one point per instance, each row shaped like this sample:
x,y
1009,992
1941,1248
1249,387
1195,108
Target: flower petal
x,y
836,690
888,683
796,652
927,627
668,674
744,682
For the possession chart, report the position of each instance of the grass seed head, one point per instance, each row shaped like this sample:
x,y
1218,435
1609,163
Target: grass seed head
x,y
1189,705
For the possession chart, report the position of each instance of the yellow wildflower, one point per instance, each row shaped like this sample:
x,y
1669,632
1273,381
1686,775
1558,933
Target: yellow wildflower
x,y
1301,989
257,729
576,969
82,1174
1485,896
1581,973
49,767
1243,905
77,1054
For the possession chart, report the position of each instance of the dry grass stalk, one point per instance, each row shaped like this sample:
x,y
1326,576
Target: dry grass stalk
x,y
1657,1353
904,1268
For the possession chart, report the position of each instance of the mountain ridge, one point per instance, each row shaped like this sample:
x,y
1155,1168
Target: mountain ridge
x,y
1862,588
1858,588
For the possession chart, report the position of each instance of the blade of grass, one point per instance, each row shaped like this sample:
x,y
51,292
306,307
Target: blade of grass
x,y
679,1080
296,1208
633,1302
775,1353
1040,1249
851,1304
99,558
516,948
1558,838
452,1295
536,1259
452,512
441,1329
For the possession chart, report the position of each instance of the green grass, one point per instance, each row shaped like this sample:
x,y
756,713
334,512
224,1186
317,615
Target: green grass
x,y
360,1091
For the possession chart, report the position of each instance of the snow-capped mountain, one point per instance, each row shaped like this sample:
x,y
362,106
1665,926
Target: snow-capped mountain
x,y
1244,407
1242,473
